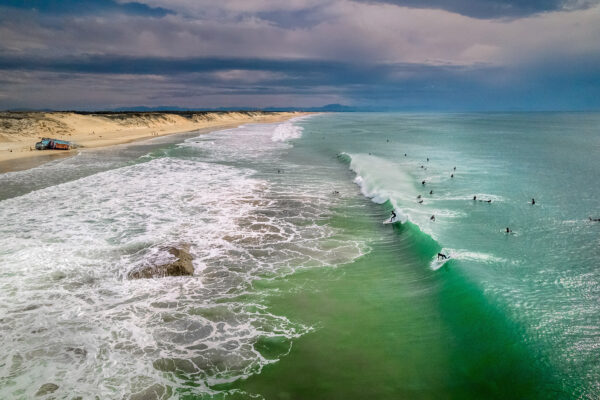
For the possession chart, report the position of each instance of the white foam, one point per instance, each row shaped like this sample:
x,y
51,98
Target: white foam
x,y
65,252
480,197
286,131
250,142
465,255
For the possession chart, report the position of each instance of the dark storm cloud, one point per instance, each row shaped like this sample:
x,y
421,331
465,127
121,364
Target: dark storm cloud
x,y
105,82
86,7
493,8
293,72
292,19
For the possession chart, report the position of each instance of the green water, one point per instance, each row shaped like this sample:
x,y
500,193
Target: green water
x,y
300,291
521,325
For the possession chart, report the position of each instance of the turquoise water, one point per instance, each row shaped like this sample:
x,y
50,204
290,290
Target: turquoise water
x,y
300,291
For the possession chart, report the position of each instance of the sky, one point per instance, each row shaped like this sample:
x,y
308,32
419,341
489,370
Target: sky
x,y
404,55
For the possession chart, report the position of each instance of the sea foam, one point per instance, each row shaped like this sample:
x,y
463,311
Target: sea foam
x,y
72,311
286,131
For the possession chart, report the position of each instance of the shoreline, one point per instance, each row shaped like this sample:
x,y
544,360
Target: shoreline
x,y
20,131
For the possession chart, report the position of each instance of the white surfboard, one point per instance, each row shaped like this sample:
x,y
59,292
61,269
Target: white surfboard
x,y
391,221
437,264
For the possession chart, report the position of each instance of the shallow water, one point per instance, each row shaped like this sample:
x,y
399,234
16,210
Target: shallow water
x,y
300,291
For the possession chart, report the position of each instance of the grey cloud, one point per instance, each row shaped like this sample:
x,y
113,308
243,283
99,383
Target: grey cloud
x,y
493,8
265,53
86,7
344,31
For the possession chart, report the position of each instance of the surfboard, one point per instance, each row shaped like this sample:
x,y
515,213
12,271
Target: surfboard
x,y
391,221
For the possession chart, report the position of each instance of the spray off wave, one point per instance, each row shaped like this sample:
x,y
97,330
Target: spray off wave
x,y
384,182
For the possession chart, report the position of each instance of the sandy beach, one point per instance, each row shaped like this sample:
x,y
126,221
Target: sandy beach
x,y
19,131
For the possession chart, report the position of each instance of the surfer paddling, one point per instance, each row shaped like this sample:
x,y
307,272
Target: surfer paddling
x,y
594,219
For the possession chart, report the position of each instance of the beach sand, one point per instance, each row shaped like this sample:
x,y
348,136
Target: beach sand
x,y
19,131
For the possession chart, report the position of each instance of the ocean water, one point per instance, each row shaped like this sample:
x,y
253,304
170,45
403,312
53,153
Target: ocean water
x,y
300,290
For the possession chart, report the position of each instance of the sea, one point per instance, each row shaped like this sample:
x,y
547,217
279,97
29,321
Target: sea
x,y
301,291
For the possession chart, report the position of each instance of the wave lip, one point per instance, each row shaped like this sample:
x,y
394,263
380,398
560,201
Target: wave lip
x,y
383,181
375,186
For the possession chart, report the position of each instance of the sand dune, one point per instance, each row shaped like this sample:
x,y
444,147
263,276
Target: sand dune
x,y
20,130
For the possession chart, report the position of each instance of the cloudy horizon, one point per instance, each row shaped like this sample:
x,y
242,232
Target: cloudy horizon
x,y
454,55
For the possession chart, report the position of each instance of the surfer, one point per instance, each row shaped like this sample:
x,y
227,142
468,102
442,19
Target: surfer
x,y
442,256
419,196
421,201
423,183
508,230
594,219
432,218
404,154
455,168
452,176
393,217
533,202
488,201
474,198
431,192
427,159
